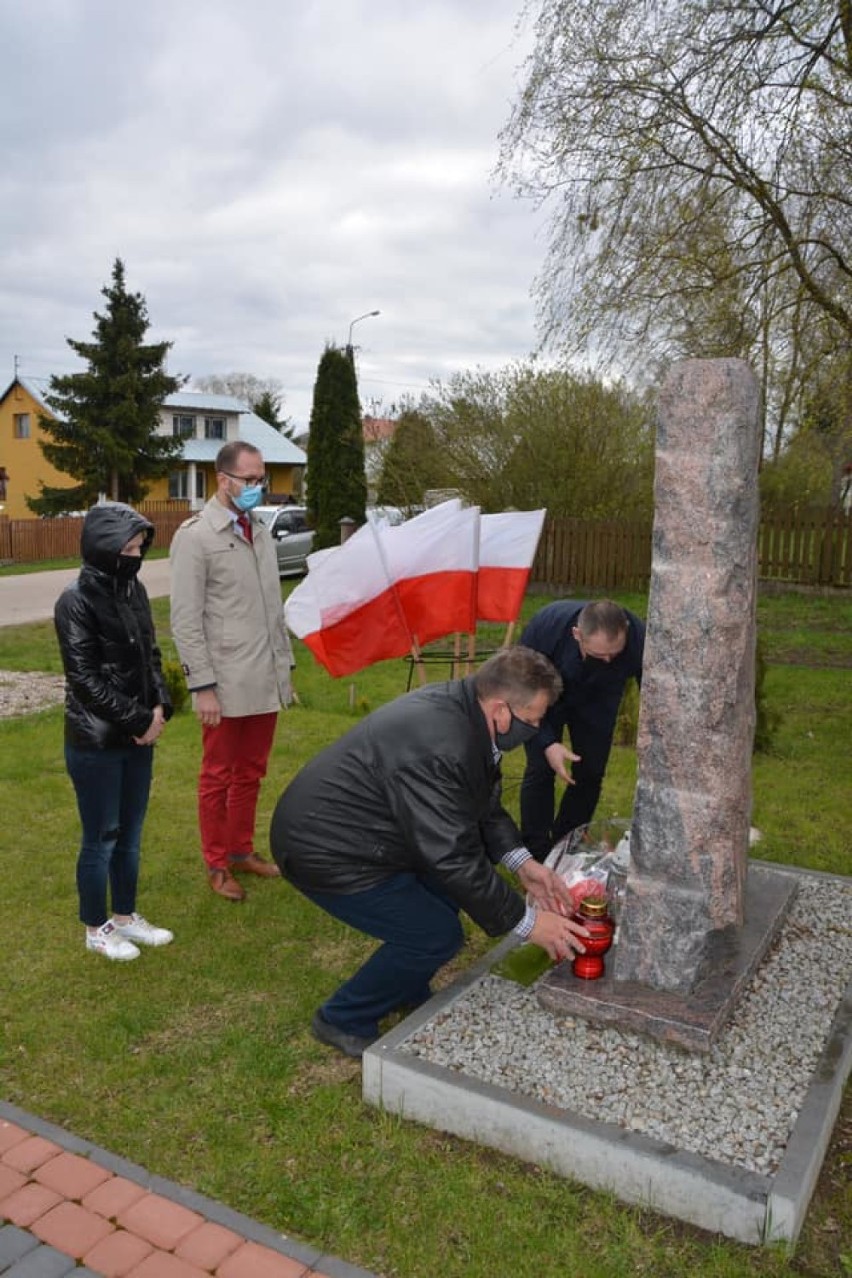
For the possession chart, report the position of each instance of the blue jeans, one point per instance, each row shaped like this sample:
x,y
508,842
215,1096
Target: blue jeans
x,y
112,788
421,932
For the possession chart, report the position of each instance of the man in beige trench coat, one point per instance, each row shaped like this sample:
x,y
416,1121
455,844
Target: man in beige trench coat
x,y
228,625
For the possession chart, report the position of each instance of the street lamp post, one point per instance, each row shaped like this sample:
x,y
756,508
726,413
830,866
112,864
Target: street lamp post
x,y
357,320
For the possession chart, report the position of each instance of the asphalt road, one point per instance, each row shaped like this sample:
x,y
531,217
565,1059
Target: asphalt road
x,y
31,596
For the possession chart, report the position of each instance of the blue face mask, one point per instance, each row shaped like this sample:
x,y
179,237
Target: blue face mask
x,y
249,497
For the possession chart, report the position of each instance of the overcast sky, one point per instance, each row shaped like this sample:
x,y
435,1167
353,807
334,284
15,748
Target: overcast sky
x,y
268,170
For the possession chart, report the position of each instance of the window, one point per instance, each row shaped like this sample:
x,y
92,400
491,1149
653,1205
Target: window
x,y
22,426
214,428
179,484
183,427
290,521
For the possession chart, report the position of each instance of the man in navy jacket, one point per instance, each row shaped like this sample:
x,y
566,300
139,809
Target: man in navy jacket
x,y
596,647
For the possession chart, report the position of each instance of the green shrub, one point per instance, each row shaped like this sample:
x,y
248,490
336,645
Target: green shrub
x,y
176,684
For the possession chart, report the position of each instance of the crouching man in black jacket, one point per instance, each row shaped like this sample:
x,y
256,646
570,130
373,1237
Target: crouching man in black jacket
x,y
398,826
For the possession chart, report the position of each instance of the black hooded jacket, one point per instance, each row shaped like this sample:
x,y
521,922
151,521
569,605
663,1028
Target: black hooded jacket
x,y
106,636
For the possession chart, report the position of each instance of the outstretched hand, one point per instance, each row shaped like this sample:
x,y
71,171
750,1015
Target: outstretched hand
x,y
559,756
546,889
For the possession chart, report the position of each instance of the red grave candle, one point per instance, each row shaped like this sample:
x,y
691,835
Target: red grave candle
x,y
592,913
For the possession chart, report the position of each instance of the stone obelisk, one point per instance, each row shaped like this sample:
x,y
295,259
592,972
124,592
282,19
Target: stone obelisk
x,y
692,810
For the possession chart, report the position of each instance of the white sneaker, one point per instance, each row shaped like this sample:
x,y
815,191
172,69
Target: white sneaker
x,y
109,942
143,932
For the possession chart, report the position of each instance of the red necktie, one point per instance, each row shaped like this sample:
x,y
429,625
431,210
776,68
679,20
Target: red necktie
x,y
245,524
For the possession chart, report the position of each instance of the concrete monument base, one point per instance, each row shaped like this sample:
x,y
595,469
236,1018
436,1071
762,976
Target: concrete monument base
x,y
707,1190
692,1020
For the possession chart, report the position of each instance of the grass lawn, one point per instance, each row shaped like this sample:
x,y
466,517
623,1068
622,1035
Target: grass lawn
x,y
197,1062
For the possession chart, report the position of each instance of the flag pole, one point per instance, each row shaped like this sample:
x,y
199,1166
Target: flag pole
x,y
417,658
455,670
510,633
471,652
416,655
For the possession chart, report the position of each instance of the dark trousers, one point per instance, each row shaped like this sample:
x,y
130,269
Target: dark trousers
x,y
591,732
112,788
420,931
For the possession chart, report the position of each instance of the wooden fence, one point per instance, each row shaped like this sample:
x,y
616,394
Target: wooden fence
x,y
810,548
602,555
32,540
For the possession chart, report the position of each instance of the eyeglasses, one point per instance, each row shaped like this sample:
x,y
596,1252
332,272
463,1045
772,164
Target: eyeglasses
x,y
249,481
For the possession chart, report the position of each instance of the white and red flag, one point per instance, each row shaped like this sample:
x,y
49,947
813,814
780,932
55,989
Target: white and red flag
x,y
388,590
432,560
507,546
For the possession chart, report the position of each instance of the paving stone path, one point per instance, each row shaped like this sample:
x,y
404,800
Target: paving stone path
x,y
69,1208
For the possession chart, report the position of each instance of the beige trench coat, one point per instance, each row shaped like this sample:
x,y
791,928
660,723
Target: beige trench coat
x,y
226,614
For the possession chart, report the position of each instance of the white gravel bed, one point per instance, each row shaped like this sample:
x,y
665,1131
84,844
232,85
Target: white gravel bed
x,y
28,691
736,1103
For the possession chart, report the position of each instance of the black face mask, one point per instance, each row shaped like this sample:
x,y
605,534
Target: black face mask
x,y
128,566
517,734
595,663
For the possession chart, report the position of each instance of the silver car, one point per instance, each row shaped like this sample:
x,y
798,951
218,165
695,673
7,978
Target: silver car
x,y
291,534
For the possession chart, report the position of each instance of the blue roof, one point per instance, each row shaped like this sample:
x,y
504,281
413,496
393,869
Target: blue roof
x,y
276,448
197,401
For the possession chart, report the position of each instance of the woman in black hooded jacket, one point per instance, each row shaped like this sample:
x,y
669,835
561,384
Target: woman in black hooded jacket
x,y
116,705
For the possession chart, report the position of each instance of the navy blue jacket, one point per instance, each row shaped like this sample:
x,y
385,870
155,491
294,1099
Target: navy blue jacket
x,y
593,687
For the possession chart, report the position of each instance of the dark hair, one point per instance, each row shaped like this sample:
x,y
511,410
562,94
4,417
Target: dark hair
x,y
229,455
602,615
517,674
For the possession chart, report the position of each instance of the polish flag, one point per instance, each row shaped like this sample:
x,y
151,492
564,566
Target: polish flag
x,y
345,610
387,588
432,560
507,546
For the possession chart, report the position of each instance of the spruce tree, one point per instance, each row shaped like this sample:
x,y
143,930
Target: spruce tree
x,y
104,433
336,483
268,406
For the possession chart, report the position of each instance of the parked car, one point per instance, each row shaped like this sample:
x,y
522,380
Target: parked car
x,y
391,514
291,534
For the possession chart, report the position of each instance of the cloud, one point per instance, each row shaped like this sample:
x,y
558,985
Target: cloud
x,y
267,172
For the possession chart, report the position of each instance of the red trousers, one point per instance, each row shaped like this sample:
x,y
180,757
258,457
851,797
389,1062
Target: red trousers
x,y
233,764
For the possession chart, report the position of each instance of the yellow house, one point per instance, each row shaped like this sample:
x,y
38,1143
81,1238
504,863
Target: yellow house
x,y
203,421
22,463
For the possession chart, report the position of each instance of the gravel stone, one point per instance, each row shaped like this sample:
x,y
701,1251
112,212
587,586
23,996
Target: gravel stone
x,y
737,1103
28,691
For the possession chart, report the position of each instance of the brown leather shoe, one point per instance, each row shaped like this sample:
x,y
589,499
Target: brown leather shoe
x,y
253,864
224,884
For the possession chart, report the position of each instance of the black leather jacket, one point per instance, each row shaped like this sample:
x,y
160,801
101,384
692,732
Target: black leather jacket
x,y
414,788
106,637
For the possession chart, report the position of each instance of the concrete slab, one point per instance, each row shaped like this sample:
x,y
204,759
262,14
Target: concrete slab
x,y
706,1192
692,1020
